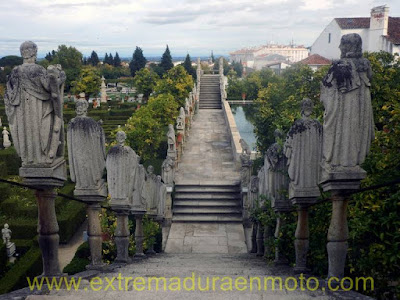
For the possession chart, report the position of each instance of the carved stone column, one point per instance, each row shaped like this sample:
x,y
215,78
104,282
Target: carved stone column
x,y
302,240
139,236
280,259
48,232
260,240
338,235
122,237
94,233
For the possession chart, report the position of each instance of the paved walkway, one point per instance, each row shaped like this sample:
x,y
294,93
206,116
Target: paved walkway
x,y
207,157
206,238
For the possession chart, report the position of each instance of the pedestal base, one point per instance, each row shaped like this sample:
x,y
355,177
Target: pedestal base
x,y
337,252
45,176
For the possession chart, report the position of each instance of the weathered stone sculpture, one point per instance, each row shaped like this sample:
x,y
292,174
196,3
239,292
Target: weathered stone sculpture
x,y
348,132
348,118
171,152
278,185
87,158
139,208
33,101
121,166
6,139
245,170
10,247
150,191
168,171
103,92
303,149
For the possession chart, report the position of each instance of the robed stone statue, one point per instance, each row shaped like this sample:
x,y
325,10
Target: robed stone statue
x,y
33,102
348,119
86,149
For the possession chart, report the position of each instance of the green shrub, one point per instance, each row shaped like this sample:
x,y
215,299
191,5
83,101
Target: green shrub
x,y
12,161
70,219
30,265
80,260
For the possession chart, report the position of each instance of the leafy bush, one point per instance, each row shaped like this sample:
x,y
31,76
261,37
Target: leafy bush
x,y
11,161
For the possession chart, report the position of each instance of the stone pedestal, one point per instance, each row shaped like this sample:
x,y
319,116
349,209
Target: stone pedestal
x,y
260,240
280,259
302,240
139,236
122,237
93,198
338,235
266,236
48,232
339,183
254,239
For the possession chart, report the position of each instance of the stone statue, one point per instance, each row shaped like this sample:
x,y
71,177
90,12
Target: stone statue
x,y
103,91
245,147
6,234
303,149
348,119
168,171
277,175
6,139
86,149
1,124
121,166
245,170
261,182
33,102
139,203
149,191
162,196
171,142
254,191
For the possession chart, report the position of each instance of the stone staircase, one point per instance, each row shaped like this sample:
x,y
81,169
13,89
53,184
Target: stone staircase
x,y
207,203
210,94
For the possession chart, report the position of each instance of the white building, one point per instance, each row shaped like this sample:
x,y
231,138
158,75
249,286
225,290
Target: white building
x,y
249,56
378,32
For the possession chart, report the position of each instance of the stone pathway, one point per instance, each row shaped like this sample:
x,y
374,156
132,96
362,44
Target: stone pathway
x,y
207,157
206,238
210,272
66,252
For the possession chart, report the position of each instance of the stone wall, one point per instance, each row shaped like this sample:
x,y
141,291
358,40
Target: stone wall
x,y
233,131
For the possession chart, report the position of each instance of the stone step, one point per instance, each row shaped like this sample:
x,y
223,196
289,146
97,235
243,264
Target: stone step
x,y
210,107
209,188
207,196
206,203
207,218
206,210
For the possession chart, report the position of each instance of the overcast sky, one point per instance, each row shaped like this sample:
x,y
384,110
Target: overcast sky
x,y
187,26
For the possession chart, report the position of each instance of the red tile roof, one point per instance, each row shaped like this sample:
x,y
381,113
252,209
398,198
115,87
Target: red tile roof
x,y
316,59
353,23
394,30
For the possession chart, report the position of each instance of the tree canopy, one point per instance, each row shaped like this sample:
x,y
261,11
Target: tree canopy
x,y
89,82
138,61
145,81
117,60
166,60
187,64
93,59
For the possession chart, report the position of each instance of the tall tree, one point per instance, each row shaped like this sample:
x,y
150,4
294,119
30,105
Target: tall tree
x,y
105,60
166,60
71,61
111,60
117,60
212,56
138,61
94,59
187,64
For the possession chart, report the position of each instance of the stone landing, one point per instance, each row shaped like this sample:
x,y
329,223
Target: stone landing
x,y
206,238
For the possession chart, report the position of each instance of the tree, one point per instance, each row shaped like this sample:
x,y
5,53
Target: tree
x,y
71,61
145,81
238,68
93,59
10,61
212,57
138,61
187,64
156,68
89,82
105,60
176,82
117,60
226,66
166,60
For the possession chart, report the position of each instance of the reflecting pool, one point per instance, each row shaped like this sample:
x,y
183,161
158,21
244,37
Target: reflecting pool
x,y
243,118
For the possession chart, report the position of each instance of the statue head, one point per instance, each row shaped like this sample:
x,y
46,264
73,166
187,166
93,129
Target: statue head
x,y
6,226
278,134
306,107
121,137
28,51
81,107
351,46
150,169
